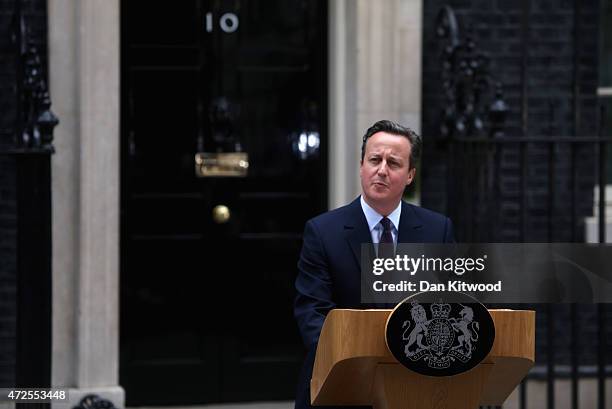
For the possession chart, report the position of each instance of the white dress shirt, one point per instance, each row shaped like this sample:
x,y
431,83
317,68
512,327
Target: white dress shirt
x,y
374,218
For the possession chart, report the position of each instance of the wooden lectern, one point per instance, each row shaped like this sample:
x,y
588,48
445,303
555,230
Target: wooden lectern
x,y
354,367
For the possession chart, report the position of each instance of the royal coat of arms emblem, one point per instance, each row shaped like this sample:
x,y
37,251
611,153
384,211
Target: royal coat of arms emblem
x,y
440,337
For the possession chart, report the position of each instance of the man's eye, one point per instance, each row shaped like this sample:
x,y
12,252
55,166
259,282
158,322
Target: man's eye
x,y
375,160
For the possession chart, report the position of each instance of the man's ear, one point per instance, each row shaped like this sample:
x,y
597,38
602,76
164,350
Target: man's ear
x,y
411,174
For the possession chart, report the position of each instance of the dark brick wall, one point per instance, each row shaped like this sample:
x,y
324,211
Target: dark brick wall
x,y
550,104
551,51
35,11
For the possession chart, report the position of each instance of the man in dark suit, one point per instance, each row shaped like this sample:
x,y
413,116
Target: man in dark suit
x,y
329,268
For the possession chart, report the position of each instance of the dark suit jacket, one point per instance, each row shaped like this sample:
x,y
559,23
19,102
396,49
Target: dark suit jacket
x,y
329,268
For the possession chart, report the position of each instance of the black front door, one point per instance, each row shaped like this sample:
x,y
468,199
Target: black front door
x,y
223,160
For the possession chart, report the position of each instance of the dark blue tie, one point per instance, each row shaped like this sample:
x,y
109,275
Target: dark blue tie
x,y
385,247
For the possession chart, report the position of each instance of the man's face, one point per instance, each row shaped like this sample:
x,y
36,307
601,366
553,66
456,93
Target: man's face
x,y
385,170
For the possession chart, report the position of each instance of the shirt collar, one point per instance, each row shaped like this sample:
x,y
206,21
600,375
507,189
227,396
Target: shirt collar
x,y
374,218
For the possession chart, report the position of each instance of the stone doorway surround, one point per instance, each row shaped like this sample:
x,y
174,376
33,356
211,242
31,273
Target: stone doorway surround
x,y
84,84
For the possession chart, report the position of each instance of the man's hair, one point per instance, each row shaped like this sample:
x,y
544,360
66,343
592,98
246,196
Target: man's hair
x,y
395,129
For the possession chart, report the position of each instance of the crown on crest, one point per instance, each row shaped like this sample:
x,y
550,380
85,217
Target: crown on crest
x,y
440,310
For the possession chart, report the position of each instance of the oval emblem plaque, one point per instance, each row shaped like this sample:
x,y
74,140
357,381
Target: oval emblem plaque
x,y
440,333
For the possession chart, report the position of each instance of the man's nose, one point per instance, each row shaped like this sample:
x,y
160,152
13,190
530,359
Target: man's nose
x,y
382,169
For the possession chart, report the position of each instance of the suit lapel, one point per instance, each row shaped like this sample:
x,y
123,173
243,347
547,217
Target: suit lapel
x,y
410,225
357,231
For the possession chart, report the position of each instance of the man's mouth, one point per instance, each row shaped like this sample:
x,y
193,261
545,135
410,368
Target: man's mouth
x,y
380,184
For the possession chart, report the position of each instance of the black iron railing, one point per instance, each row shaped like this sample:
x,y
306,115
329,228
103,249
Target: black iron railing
x,y
524,188
538,189
488,176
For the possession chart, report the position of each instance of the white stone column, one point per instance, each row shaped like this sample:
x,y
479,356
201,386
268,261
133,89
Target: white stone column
x,y
343,139
84,83
375,56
